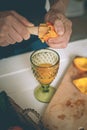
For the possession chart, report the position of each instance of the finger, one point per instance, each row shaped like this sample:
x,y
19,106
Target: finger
x,y
4,43
10,40
58,45
68,27
9,36
3,37
65,37
59,42
21,29
68,30
22,19
14,35
59,27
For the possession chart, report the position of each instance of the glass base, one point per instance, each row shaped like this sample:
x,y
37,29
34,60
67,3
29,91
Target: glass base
x,y
43,96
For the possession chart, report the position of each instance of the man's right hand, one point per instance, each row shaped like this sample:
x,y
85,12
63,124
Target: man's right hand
x,y
13,28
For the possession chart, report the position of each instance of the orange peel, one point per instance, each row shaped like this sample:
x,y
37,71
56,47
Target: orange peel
x,y
46,31
81,84
81,63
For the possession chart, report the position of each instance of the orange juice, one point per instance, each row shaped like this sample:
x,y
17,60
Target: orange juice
x,y
45,73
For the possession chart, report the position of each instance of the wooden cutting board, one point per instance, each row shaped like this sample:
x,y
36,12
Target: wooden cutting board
x,y
68,107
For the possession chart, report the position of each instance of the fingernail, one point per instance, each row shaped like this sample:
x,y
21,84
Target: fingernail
x,y
60,32
31,24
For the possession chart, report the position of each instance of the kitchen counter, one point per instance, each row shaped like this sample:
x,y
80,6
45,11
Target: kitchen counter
x,y
17,79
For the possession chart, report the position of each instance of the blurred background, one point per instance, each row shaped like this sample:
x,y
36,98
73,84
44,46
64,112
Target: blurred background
x,y
77,12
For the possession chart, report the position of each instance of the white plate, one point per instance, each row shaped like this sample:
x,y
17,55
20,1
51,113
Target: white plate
x,y
17,80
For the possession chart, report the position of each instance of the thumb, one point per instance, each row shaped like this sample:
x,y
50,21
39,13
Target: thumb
x,y
59,27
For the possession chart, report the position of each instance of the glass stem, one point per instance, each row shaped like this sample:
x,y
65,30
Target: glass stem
x,y
45,88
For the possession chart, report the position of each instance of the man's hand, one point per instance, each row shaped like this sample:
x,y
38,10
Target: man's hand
x,y
63,27
13,28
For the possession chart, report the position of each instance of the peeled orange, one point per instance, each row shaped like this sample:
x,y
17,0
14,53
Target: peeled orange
x,y
46,31
81,84
81,63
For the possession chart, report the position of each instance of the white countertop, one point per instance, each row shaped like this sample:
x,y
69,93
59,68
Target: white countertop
x,y
17,79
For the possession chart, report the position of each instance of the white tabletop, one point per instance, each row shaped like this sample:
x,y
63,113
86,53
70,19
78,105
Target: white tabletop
x,y
17,79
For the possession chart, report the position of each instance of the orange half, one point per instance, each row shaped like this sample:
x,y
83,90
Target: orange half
x,y
81,63
81,84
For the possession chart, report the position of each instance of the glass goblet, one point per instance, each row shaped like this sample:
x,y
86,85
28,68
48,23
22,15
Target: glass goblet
x,y
45,64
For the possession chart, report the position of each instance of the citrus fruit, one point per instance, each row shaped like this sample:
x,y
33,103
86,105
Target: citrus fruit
x,y
81,63
81,84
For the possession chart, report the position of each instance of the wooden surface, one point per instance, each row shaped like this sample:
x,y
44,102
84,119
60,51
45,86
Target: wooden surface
x,y
68,108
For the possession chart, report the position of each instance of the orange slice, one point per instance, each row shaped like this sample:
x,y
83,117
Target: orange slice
x,y
81,63
81,84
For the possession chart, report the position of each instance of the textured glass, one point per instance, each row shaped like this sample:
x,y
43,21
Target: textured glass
x,y
45,64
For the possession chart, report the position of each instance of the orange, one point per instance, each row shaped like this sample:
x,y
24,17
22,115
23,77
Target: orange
x,y
81,63
46,31
81,84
